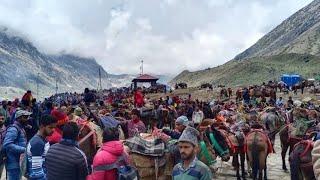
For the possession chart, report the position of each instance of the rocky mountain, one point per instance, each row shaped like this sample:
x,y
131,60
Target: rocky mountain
x,y
300,34
23,66
292,47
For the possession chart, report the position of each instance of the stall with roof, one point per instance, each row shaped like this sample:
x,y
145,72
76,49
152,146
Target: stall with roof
x,y
144,78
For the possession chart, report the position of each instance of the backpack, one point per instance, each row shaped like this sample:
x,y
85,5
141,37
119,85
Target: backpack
x,y
3,155
124,172
109,121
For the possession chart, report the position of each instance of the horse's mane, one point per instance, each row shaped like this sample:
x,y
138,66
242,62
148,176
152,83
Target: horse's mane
x,y
221,139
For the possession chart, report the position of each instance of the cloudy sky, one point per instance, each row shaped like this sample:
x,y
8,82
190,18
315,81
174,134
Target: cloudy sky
x,y
169,35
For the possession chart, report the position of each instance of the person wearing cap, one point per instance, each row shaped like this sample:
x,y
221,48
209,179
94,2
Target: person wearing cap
x,y
62,119
15,143
181,123
190,168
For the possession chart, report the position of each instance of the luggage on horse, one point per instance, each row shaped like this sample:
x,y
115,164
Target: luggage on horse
x,y
300,127
148,156
152,147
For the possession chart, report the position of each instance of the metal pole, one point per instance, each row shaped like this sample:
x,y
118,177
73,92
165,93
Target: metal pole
x,y
141,67
56,86
100,84
38,78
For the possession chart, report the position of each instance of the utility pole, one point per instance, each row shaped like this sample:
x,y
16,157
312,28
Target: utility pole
x,y
141,68
38,78
100,84
56,86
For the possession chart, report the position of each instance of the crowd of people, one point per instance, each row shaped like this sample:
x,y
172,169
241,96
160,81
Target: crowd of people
x,y
40,140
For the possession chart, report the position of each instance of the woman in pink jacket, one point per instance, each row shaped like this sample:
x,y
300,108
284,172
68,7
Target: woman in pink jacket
x,y
108,154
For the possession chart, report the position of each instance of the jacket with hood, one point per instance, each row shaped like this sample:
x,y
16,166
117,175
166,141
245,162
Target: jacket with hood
x,y
107,155
14,144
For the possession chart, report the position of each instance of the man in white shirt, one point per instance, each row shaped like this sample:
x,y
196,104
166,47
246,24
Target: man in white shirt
x,y
197,116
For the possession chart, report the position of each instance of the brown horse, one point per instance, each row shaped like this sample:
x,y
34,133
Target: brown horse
x,y
88,140
258,147
239,95
229,92
165,118
236,147
287,140
301,161
223,93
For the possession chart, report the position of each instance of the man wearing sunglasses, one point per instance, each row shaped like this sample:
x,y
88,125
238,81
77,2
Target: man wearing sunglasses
x,y
14,144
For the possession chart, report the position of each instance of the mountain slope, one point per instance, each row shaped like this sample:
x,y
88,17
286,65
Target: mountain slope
x,y
292,47
300,33
253,70
22,66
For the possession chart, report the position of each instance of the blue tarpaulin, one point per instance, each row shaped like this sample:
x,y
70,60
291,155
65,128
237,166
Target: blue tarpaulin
x,y
291,79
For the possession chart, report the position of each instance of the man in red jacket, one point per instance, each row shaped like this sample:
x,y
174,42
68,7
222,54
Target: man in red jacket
x,y
108,154
138,98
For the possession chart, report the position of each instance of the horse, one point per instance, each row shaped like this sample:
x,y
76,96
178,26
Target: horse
x,y
229,92
206,85
258,146
164,118
223,93
181,86
88,140
236,146
272,122
301,161
238,95
147,115
288,141
214,138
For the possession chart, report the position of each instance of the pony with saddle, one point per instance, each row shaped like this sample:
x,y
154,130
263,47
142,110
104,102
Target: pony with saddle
x,y
300,125
257,147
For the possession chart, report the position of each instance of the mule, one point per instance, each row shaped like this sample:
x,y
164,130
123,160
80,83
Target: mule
x,y
258,146
301,161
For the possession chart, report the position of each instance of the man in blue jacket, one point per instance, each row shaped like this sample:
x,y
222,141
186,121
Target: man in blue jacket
x,y
15,143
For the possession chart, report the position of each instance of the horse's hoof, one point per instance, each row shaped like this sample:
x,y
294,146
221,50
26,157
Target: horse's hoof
x,y
285,169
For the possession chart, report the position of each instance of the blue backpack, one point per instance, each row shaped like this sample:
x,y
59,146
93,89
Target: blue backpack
x,y
109,121
124,172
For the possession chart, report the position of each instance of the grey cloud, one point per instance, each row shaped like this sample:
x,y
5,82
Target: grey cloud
x,y
170,35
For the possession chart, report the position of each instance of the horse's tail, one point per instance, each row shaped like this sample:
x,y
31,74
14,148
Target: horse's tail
x,y
255,157
294,164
